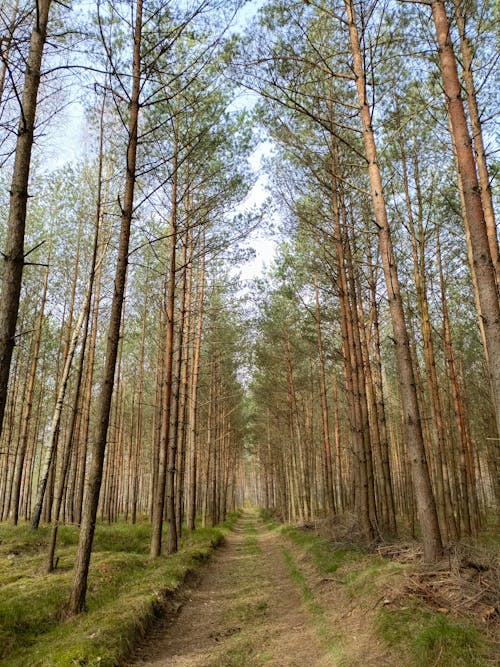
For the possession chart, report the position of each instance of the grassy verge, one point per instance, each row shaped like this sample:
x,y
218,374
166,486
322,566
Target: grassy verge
x,y
429,638
326,557
126,592
422,636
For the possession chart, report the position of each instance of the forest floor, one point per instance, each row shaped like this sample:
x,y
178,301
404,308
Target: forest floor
x,y
285,596
263,600
247,610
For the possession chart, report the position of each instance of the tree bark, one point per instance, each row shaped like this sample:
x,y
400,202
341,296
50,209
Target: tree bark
x,y
13,255
28,406
477,137
414,437
166,474
193,454
76,602
481,254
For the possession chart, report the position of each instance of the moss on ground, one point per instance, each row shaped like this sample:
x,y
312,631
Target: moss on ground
x,y
126,591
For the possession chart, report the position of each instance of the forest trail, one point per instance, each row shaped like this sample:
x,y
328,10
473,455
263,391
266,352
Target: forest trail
x,y
254,606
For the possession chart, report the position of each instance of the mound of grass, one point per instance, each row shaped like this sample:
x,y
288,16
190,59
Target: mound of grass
x,y
126,591
269,518
326,556
429,638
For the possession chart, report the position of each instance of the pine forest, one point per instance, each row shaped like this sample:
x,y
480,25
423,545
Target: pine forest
x,y
249,333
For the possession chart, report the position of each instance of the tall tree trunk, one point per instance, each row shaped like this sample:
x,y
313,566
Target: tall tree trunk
x,y
86,309
414,437
28,405
483,265
477,137
467,472
177,412
324,408
442,487
13,254
193,454
166,475
76,602
53,435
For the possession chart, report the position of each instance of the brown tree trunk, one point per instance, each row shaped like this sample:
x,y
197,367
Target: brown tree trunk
x,y
442,486
53,435
477,137
193,454
13,254
168,447
467,472
483,265
77,597
414,438
324,408
28,405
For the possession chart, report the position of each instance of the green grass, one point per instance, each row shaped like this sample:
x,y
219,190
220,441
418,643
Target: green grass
x,y
326,557
126,590
370,576
330,642
430,639
422,636
251,544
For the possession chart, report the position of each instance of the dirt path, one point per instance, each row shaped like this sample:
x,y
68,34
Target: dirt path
x,y
248,610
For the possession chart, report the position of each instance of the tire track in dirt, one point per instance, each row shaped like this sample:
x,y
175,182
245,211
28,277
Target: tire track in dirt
x,y
246,611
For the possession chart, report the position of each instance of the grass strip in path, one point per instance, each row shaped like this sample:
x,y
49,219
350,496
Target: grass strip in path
x,y
329,641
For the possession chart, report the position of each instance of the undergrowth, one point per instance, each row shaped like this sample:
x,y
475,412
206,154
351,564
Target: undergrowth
x,y
126,591
422,636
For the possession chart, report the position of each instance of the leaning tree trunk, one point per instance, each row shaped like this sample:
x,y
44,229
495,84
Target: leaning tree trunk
x,y
82,561
53,435
481,254
14,245
426,505
86,310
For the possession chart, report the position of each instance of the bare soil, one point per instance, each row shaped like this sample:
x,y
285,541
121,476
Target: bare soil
x,y
262,601
245,610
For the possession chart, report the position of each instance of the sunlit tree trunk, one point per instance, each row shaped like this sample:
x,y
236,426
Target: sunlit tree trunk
x,y
78,593
477,137
481,253
414,437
